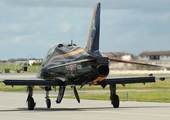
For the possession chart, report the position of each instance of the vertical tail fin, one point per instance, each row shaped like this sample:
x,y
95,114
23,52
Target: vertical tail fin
x,y
92,46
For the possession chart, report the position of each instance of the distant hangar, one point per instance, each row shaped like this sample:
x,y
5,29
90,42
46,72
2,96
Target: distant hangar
x,y
161,58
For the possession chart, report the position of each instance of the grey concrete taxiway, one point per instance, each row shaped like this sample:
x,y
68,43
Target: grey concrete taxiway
x,y
13,106
17,76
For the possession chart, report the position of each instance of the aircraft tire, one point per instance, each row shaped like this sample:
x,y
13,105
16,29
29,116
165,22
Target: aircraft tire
x,y
48,102
31,103
115,101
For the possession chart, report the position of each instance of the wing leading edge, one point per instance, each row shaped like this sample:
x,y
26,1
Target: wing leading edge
x,y
108,80
32,82
137,79
128,80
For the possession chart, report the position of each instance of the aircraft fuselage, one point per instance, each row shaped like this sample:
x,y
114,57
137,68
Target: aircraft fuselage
x,y
76,73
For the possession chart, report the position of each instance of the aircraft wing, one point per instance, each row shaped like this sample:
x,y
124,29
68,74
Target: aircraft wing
x,y
32,82
133,79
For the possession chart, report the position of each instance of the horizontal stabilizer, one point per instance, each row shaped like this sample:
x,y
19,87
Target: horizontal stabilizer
x,y
132,62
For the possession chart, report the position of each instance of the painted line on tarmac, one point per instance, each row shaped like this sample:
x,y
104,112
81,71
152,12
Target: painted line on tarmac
x,y
132,113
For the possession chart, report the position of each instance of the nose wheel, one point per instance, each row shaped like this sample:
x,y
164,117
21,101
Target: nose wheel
x,y
48,101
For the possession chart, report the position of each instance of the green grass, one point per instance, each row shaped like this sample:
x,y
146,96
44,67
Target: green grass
x,y
161,91
13,68
144,96
4,87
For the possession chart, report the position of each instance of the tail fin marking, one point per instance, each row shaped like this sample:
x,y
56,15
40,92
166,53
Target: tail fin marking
x,y
94,33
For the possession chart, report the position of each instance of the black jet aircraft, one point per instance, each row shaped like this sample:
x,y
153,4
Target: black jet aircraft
x,y
66,64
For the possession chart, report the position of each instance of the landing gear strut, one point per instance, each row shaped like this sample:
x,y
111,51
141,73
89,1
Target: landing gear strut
x,y
48,101
113,96
60,93
76,94
30,100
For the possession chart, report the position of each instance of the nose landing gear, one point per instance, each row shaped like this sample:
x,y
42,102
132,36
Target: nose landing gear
x,y
48,101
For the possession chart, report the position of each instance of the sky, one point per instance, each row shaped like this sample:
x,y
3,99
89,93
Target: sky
x,y
28,28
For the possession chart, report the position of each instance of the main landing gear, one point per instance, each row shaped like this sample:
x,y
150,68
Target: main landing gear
x,y
30,100
31,104
113,96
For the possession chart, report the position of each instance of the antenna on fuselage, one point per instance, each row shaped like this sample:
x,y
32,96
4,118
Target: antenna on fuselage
x,y
71,42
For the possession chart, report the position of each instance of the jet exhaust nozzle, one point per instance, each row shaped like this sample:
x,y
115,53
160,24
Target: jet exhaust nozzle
x,y
103,70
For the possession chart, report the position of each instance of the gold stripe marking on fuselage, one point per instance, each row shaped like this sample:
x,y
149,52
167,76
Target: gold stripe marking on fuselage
x,y
68,54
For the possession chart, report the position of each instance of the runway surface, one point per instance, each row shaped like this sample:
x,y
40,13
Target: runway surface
x,y
13,106
17,76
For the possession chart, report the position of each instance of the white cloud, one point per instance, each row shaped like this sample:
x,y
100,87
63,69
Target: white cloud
x,y
125,25
17,39
64,26
14,27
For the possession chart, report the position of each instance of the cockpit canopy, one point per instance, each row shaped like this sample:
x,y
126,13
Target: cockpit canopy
x,y
62,48
59,49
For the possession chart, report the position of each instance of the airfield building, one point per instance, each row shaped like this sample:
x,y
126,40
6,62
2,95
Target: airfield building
x,y
120,55
161,58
